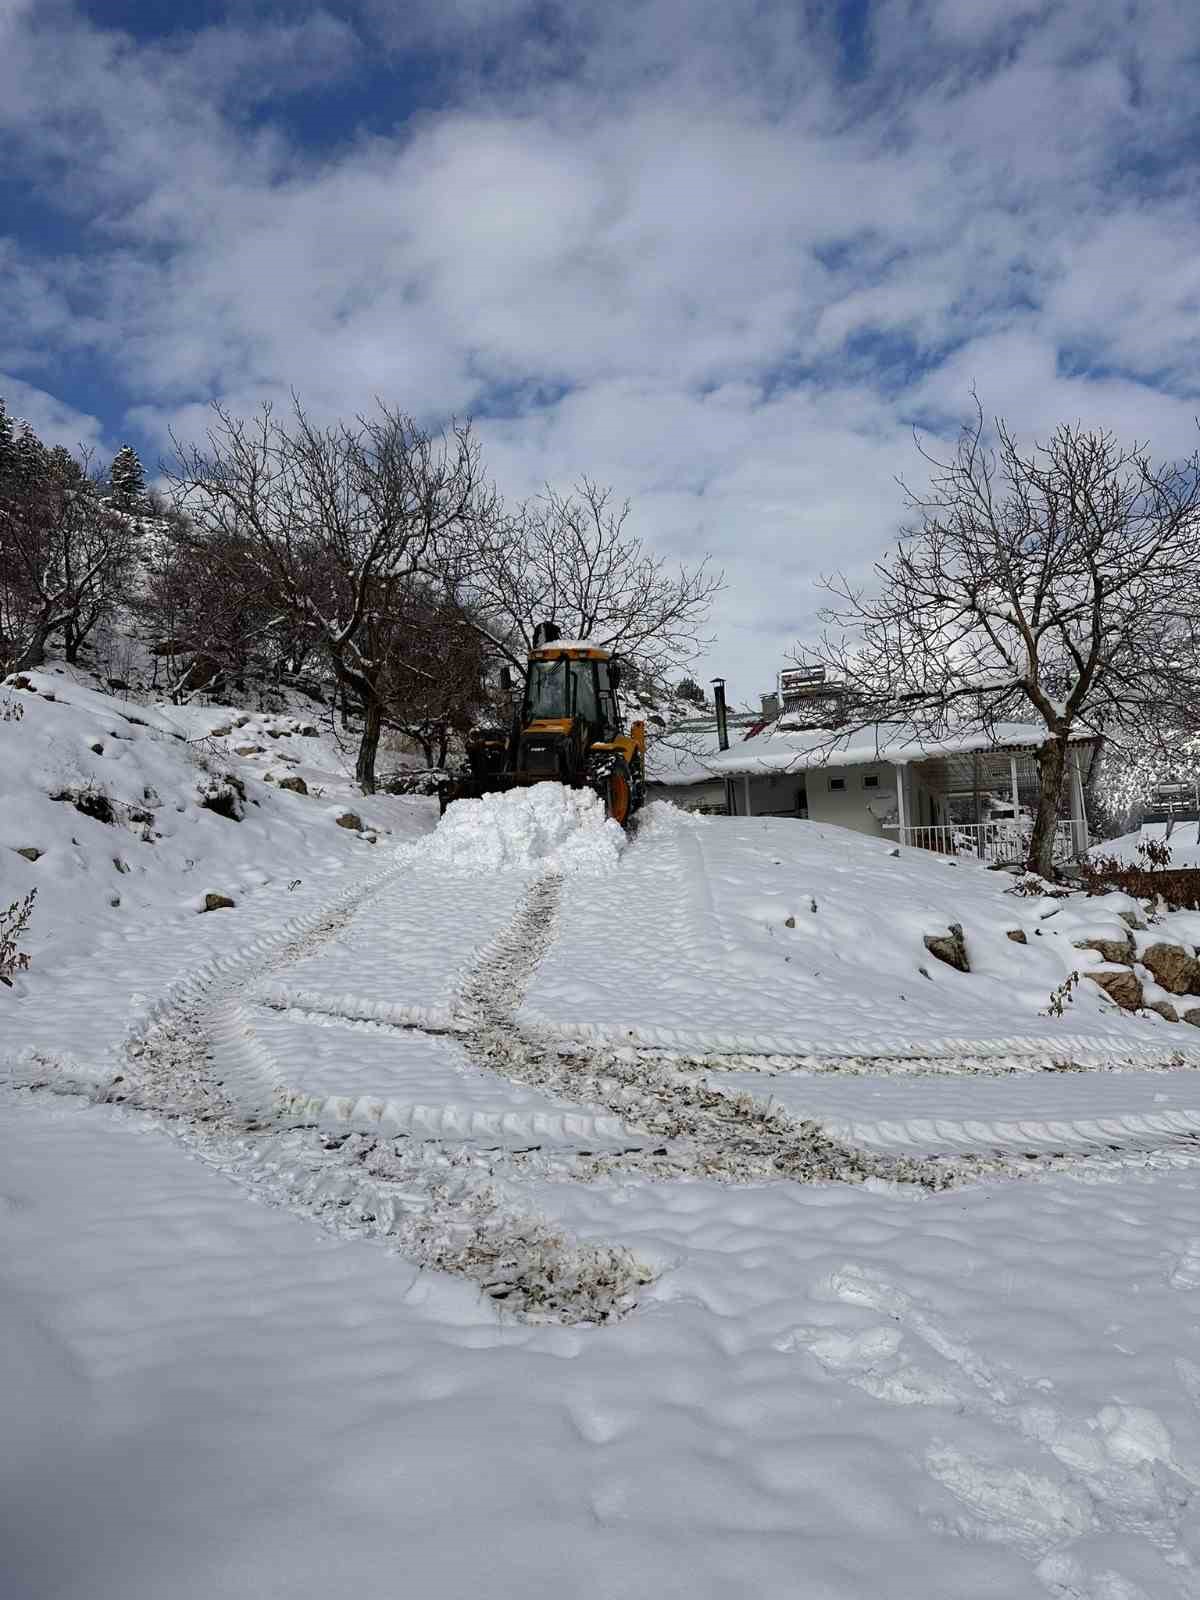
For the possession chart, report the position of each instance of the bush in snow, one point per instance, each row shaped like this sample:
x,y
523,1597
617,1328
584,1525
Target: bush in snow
x,y
13,923
1151,877
223,793
89,799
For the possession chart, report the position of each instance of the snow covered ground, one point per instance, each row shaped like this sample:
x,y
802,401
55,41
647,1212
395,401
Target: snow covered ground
x,y
520,1211
1184,842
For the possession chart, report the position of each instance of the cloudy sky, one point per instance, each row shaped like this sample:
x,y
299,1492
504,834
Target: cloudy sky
x,y
722,256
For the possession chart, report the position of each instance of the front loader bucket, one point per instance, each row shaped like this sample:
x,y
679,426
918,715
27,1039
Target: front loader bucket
x,y
471,787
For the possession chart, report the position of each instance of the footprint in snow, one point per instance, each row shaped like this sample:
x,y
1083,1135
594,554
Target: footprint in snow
x,y
1185,1274
1117,1469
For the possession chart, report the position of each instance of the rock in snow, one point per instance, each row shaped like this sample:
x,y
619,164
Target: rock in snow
x,y
950,948
1120,984
1172,966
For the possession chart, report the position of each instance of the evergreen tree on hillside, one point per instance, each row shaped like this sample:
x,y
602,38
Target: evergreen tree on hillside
x,y
29,459
128,479
689,689
8,444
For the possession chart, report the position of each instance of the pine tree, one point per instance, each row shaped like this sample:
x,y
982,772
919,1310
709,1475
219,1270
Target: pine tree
x,y
128,479
8,444
29,458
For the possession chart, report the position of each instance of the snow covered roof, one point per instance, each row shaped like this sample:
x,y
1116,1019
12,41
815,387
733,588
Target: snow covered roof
x,y
686,752
782,749
570,644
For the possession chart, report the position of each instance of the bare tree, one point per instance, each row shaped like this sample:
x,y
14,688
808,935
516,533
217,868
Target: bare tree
x,y
66,558
209,614
1062,582
341,521
568,559
436,682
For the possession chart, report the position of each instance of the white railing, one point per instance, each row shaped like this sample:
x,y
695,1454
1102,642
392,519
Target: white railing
x,y
986,841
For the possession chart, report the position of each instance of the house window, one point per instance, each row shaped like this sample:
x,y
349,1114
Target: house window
x,y
836,783
870,780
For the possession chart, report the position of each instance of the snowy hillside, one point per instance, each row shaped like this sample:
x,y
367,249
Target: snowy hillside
x,y
1184,844
507,1205
130,819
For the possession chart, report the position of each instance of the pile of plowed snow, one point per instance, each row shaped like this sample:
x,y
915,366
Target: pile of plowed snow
x,y
545,826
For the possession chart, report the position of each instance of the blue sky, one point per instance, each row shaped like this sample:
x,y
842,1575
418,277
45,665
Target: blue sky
x,y
720,257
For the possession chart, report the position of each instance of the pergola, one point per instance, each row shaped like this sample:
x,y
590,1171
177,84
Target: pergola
x,y
1009,770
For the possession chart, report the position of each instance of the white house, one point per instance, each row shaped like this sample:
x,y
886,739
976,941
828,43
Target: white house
x,y
969,793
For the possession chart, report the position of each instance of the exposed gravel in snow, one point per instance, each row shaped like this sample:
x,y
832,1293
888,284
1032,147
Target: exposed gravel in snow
x,y
1014,1113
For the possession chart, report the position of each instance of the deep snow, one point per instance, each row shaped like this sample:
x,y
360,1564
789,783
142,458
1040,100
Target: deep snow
x,y
806,1388
545,826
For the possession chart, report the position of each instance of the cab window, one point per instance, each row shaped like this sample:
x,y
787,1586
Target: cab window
x,y
586,703
546,693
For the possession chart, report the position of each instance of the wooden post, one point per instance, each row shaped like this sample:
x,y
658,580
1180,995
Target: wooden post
x,y
747,790
1079,826
901,800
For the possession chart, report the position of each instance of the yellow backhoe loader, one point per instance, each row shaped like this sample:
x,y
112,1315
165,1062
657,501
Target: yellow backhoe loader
x,y
567,728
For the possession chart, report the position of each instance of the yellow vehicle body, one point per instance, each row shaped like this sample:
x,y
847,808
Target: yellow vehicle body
x,y
568,729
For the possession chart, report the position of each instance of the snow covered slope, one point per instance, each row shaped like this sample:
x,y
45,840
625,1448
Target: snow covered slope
x,y
897,1326
766,934
125,817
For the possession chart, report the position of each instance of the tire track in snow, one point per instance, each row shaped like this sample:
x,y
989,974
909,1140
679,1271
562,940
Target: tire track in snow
x,y
196,1064
703,1133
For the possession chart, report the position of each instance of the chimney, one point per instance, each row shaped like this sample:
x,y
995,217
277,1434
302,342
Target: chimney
x,y
770,707
722,714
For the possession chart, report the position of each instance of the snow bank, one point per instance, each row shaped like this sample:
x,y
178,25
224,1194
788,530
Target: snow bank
x,y
125,817
770,935
1184,843
544,826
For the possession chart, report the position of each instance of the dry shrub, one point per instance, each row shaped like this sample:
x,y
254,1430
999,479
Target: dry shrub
x,y
13,924
1150,878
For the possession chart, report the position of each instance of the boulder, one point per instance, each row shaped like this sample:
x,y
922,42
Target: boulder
x,y
1119,951
218,902
949,947
1132,920
247,749
295,783
29,851
307,731
1017,935
1173,968
350,819
1121,985
1164,1009
1193,1017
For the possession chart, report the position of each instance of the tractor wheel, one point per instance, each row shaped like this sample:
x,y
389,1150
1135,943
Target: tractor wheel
x,y
618,793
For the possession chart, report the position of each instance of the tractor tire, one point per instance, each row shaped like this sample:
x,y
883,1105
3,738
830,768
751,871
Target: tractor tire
x,y
618,792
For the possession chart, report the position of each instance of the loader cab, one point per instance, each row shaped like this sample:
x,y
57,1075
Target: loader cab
x,y
568,683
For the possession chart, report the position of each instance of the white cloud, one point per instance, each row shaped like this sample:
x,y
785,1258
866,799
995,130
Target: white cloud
x,y
52,420
666,244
